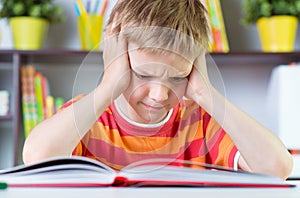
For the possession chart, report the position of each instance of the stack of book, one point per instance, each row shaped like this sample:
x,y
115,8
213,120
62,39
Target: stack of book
x,y
4,102
37,103
218,37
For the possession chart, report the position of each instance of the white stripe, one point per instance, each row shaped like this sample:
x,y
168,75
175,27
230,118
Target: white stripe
x,y
161,123
236,160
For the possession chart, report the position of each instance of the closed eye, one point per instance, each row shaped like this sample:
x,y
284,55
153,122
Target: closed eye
x,y
178,79
140,76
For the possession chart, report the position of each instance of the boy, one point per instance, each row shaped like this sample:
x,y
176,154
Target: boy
x,y
154,57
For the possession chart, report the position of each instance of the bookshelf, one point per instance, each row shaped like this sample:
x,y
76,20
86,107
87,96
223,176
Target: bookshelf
x,y
70,60
11,125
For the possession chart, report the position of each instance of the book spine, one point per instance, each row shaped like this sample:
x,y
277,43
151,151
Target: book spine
x,y
59,102
32,98
37,104
216,46
4,102
45,93
25,100
220,42
39,96
224,39
211,37
50,106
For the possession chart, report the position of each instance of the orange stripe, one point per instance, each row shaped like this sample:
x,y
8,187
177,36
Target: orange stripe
x,y
225,147
146,144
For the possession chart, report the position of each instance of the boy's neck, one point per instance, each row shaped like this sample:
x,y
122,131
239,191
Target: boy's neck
x,y
121,102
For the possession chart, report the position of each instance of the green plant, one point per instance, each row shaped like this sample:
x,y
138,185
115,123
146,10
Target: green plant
x,y
34,8
255,9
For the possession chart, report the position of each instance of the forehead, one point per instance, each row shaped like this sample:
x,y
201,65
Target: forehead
x,y
145,60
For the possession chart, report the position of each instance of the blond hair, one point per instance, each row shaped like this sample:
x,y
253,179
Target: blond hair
x,y
172,24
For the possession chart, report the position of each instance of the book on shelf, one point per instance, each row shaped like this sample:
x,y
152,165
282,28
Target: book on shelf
x,y
28,98
218,40
4,102
78,171
39,95
35,91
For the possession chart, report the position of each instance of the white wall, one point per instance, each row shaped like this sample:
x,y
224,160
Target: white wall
x,y
64,35
245,86
242,38
61,35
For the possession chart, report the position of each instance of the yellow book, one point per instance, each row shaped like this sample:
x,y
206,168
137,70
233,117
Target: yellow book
x,y
49,106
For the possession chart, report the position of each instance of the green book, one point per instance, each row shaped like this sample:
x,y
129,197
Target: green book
x,y
59,102
39,96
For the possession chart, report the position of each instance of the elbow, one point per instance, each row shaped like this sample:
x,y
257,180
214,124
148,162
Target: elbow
x,y
279,166
31,153
282,167
28,154
288,167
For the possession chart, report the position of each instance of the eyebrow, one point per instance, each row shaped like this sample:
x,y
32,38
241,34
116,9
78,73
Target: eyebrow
x,y
147,74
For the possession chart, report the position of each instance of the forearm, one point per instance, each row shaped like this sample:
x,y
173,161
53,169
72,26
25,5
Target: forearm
x,y
261,149
60,134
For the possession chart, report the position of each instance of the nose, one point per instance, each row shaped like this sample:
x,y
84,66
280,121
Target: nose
x,y
159,92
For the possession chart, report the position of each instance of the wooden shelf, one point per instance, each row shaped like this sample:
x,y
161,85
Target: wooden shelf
x,y
248,59
278,57
6,118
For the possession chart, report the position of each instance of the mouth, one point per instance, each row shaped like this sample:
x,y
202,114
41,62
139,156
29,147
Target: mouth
x,y
152,107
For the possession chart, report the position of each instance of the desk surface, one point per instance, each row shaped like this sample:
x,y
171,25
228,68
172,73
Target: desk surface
x,y
112,192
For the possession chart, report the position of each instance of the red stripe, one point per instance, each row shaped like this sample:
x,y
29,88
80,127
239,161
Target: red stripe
x,y
193,118
214,145
206,184
231,157
57,185
108,119
196,149
206,119
119,156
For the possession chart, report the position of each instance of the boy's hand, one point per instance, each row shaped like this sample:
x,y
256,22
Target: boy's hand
x,y
116,65
199,84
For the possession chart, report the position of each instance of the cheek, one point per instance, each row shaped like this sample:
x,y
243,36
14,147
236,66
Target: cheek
x,y
136,90
178,90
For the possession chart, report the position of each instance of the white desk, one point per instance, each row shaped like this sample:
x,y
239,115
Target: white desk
x,y
151,192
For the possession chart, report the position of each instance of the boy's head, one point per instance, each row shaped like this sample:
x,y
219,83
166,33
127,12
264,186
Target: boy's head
x,y
176,29
173,25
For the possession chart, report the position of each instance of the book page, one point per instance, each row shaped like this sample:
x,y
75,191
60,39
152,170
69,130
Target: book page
x,y
60,171
152,172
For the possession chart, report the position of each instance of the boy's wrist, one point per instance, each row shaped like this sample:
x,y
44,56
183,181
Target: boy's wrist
x,y
206,99
103,94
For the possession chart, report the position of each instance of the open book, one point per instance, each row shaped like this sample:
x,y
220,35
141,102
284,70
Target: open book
x,y
85,172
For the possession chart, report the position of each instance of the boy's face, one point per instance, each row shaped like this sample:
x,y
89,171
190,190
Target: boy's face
x,y
158,83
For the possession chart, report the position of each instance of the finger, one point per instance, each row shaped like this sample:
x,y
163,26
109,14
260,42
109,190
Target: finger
x,y
115,48
200,63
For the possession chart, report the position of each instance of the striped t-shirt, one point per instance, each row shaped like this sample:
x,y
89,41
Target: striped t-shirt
x,y
188,133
